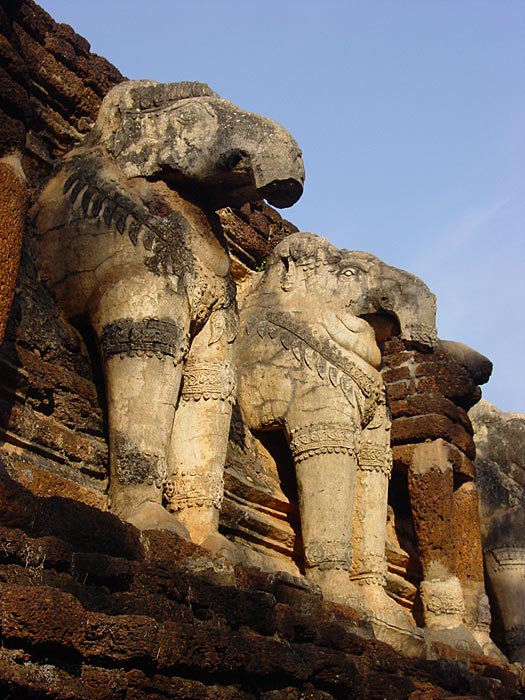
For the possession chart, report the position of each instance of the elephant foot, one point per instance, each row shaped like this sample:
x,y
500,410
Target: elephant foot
x,y
458,637
222,546
488,646
385,609
337,587
391,622
153,516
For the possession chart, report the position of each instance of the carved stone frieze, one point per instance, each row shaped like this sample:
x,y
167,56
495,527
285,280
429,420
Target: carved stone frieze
x,y
158,337
325,438
208,380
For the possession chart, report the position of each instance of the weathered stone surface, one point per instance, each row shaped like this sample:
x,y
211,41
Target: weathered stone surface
x,y
478,366
251,229
500,465
432,427
13,205
433,446
96,633
51,386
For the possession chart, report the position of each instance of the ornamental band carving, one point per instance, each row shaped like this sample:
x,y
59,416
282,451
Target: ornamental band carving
x,y
507,558
208,380
375,458
150,336
312,440
189,490
134,466
328,555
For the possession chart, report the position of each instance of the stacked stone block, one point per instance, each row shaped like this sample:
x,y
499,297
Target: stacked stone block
x,y
433,450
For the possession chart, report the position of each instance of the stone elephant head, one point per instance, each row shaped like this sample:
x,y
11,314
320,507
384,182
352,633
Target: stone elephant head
x,y
352,284
187,135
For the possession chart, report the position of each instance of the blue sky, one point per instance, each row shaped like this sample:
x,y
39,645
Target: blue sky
x,y
411,117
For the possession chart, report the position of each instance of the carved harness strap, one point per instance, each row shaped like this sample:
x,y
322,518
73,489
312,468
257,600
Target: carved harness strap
x,y
167,239
324,358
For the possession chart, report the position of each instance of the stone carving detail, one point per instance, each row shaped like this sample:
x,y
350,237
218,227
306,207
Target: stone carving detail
x,y
191,490
375,458
208,380
322,357
150,336
443,598
129,240
512,558
136,467
308,366
375,573
312,440
328,555
112,208
500,471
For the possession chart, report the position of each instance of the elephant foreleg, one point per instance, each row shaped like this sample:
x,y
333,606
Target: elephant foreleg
x,y
197,454
370,522
142,364
325,462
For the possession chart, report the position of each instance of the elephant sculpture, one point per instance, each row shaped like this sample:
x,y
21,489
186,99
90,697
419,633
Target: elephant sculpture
x,y
129,242
308,365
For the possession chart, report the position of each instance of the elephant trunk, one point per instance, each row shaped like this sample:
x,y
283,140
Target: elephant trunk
x,y
405,297
274,158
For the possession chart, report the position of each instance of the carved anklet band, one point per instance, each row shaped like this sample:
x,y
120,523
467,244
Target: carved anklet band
x,y
188,490
443,597
506,558
320,439
328,555
132,466
373,572
149,336
375,458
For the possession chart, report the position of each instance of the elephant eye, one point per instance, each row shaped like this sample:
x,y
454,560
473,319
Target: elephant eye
x,y
349,272
187,115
